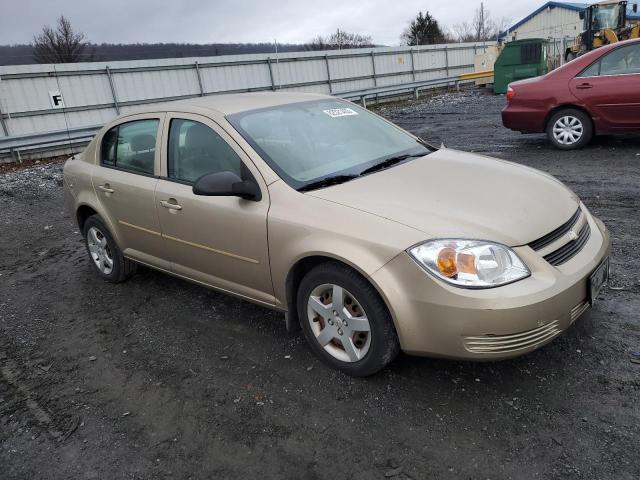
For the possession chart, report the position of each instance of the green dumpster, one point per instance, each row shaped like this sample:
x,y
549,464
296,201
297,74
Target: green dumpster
x,y
518,60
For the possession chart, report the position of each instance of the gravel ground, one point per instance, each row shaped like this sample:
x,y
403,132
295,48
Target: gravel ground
x,y
157,378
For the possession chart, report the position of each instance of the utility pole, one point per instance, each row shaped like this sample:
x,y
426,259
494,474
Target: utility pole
x,y
481,29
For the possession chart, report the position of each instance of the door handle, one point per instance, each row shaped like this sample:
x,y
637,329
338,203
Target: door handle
x,y
584,86
171,204
106,188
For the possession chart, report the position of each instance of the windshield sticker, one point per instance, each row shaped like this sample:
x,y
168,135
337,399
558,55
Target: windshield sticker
x,y
340,112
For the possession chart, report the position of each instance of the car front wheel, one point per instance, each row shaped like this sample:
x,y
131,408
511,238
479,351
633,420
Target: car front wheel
x,y
345,321
569,129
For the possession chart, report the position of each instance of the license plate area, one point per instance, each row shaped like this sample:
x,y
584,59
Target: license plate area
x,y
598,279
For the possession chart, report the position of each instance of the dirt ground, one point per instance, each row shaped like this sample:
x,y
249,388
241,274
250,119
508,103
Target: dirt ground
x,y
157,378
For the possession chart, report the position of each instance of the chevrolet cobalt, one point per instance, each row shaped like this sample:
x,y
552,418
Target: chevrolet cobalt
x,y
370,239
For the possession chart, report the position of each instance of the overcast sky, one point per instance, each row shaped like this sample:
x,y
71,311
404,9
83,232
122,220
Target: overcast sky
x,y
219,21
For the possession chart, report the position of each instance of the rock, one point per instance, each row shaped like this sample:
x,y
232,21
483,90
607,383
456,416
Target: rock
x,y
46,368
393,472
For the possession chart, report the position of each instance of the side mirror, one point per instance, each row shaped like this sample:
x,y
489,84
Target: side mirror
x,y
581,15
634,8
227,184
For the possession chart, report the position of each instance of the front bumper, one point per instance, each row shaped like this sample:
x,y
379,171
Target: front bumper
x,y
433,318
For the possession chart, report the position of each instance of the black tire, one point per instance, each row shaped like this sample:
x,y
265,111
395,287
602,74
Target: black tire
x,y
579,115
122,267
383,347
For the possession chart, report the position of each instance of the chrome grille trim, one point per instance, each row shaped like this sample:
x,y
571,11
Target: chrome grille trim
x,y
551,237
513,342
569,250
579,310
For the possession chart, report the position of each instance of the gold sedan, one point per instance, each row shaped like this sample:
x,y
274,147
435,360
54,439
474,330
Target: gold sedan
x,y
369,239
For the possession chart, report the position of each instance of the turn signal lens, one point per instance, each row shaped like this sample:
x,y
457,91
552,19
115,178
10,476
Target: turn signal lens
x,y
510,94
470,263
447,262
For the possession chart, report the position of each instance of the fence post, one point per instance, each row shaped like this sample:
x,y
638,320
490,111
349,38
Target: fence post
x,y
113,90
273,85
199,78
446,59
5,130
326,62
413,66
373,66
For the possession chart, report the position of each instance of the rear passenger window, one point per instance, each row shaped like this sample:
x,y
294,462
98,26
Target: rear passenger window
x,y
622,61
131,146
196,150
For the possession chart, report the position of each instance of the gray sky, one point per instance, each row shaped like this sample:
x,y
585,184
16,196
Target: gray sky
x,y
206,21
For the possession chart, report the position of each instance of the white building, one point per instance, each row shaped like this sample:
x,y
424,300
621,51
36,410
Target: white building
x,y
554,20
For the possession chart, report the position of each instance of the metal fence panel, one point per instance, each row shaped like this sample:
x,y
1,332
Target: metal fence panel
x,y
95,92
236,77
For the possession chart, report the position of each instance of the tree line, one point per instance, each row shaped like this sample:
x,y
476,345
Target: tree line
x,y
63,44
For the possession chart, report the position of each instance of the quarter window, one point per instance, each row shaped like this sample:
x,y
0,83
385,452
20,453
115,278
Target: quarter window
x,y
592,70
196,150
131,146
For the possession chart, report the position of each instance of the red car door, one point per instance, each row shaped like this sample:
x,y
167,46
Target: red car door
x,y
610,88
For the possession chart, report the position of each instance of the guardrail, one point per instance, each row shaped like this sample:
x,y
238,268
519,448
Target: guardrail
x,y
47,141
14,145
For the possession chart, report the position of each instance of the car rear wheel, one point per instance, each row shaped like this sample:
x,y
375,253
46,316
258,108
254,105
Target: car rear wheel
x,y
104,252
569,129
345,321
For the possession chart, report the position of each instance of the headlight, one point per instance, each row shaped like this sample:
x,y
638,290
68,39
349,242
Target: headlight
x,y
470,263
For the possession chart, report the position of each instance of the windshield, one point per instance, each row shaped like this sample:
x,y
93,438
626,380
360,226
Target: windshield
x,y
322,139
606,17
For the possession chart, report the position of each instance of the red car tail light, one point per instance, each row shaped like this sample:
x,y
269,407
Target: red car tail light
x,y
510,94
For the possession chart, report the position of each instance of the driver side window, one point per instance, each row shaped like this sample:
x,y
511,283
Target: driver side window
x,y
196,150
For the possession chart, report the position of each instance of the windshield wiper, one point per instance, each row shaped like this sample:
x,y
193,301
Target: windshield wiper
x,y
390,162
426,144
327,182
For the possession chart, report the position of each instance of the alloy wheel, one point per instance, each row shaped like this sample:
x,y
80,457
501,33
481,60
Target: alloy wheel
x,y
568,130
99,250
339,323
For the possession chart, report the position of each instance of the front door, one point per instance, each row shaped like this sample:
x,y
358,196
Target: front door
x,y
610,88
219,241
125,180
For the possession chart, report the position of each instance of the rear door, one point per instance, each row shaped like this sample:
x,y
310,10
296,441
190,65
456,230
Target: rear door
x,y
125,180
610,88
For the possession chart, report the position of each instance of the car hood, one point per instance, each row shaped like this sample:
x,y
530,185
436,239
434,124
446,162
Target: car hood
x,y
453,194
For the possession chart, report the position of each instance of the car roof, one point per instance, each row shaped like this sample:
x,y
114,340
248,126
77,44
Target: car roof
x,y
226,104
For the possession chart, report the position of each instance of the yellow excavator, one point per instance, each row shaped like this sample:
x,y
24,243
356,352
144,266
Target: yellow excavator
x,y
604,23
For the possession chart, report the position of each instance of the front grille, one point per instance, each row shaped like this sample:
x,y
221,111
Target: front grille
x,y
549,238
512,343
568,250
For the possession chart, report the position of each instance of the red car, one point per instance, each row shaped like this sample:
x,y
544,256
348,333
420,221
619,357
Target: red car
x,y
597,93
